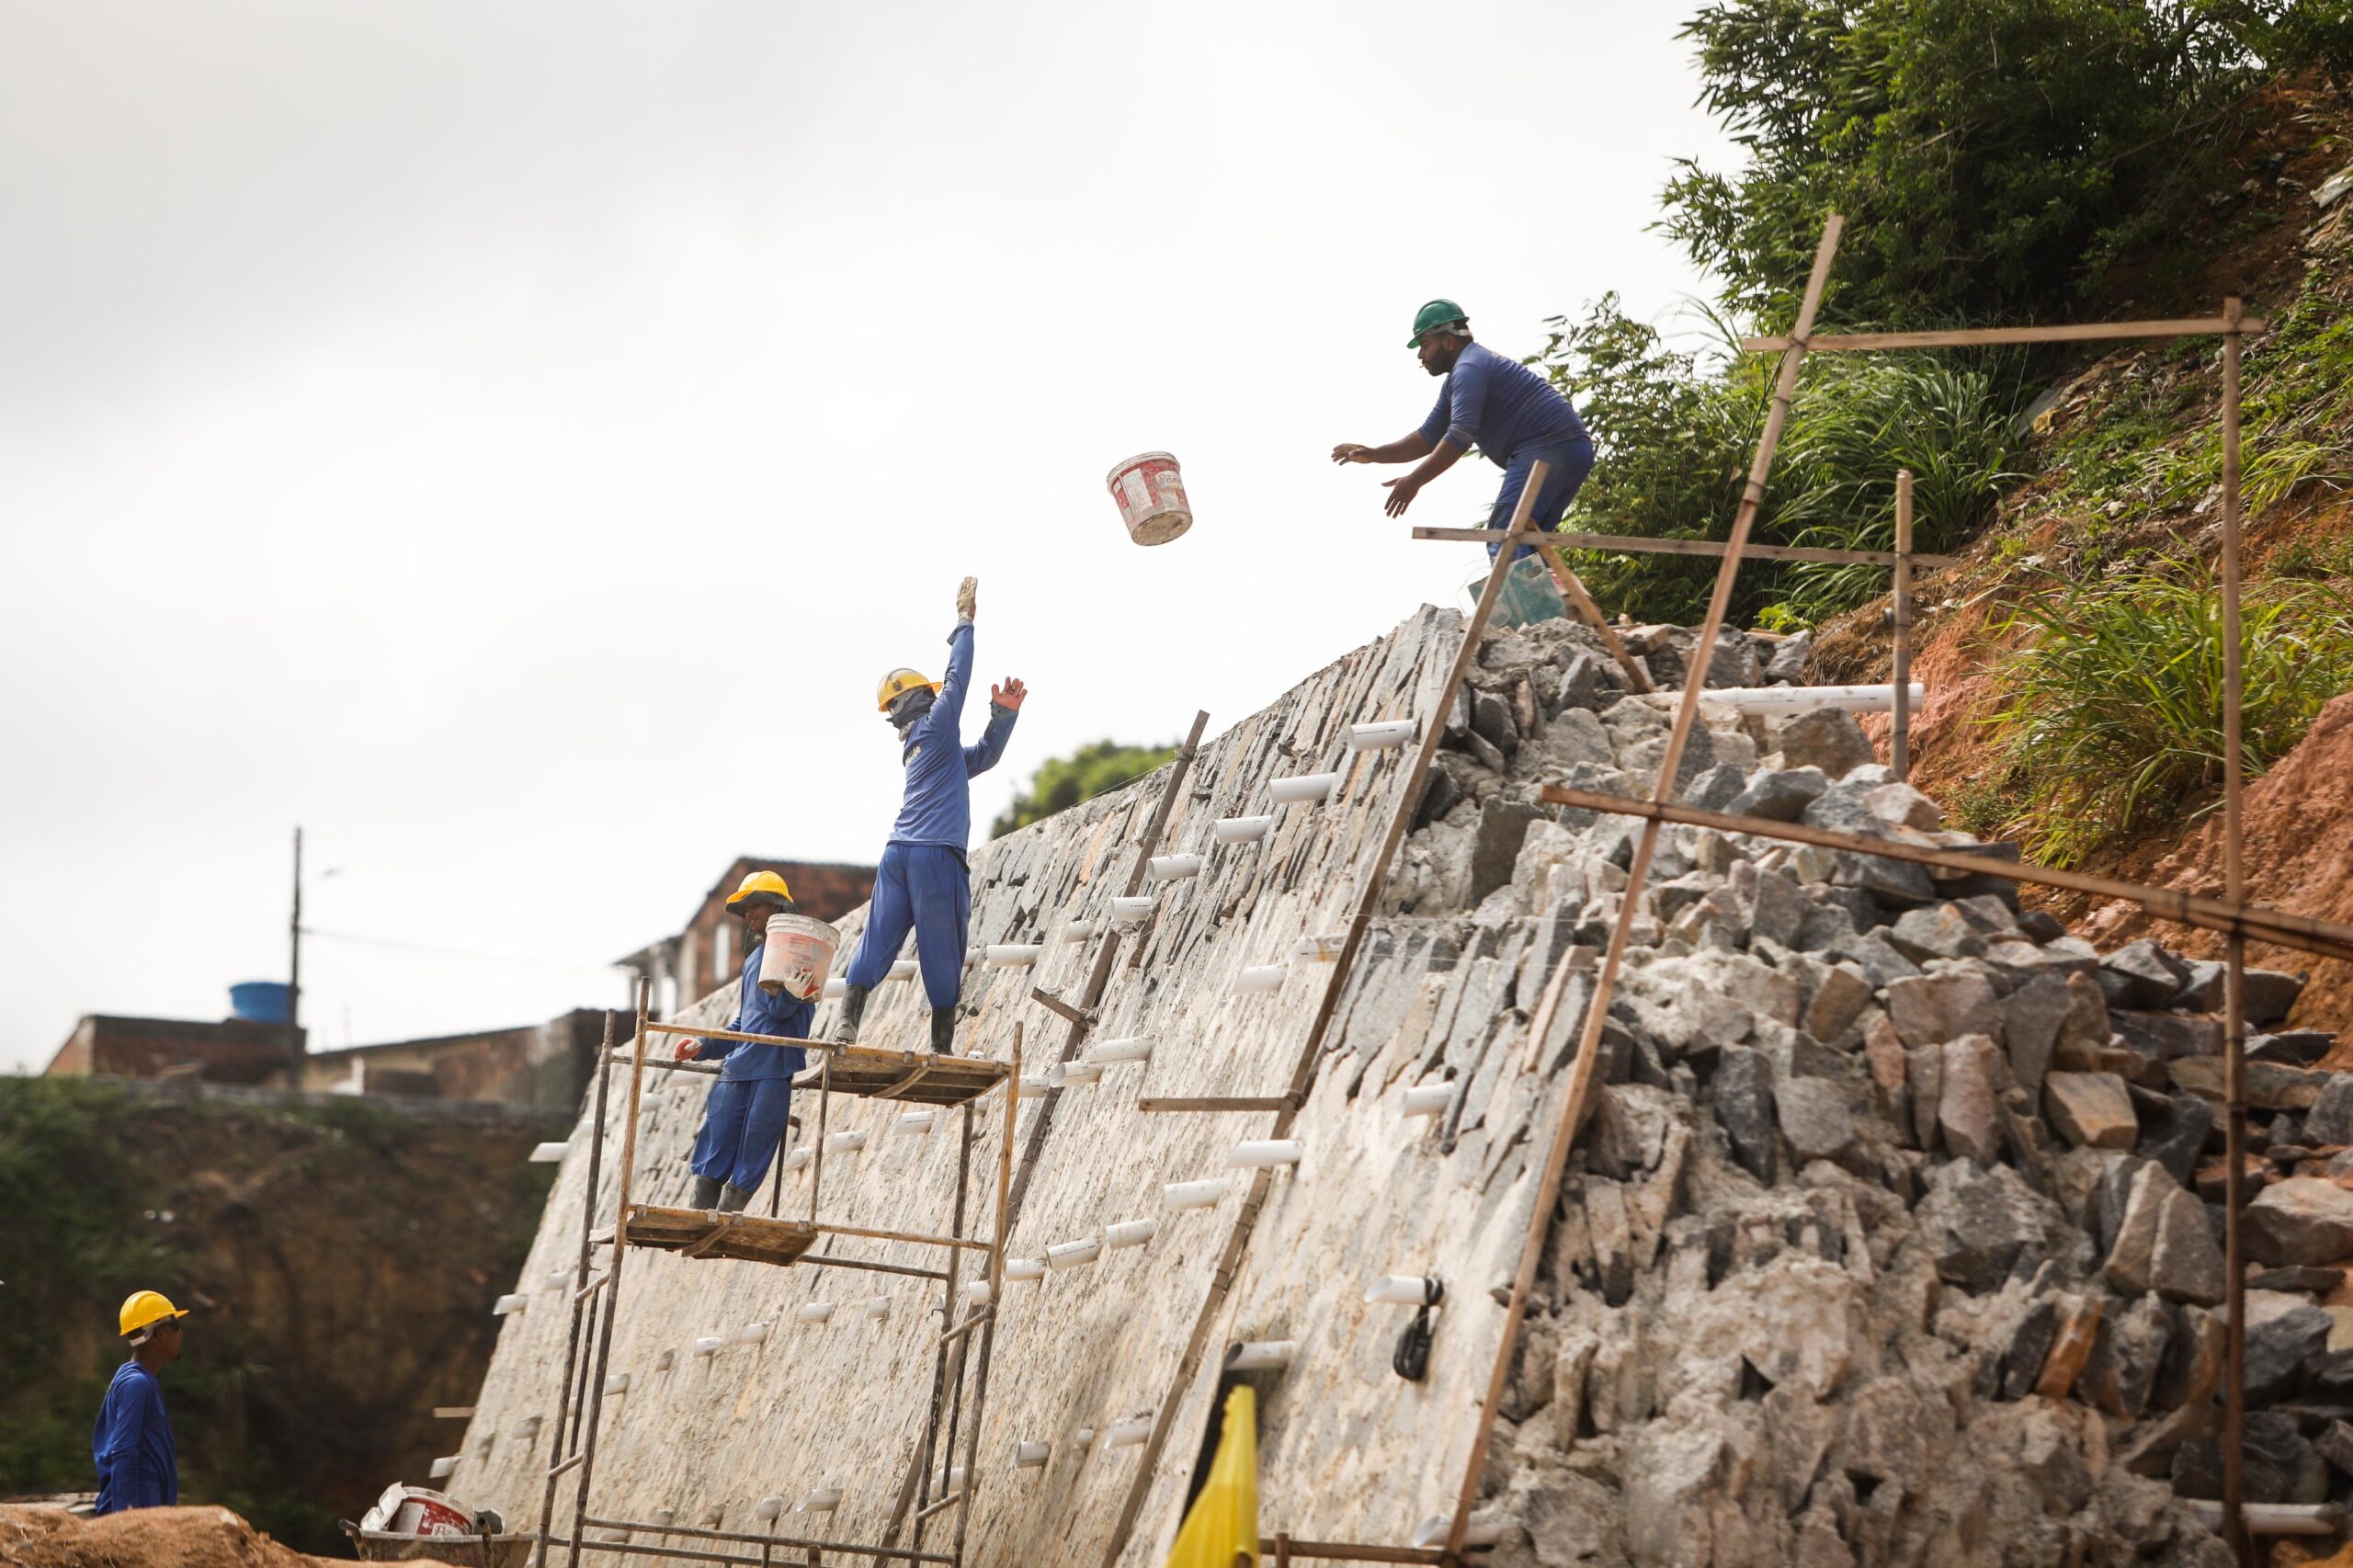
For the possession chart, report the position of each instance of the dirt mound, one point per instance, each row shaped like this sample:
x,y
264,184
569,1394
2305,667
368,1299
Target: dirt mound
x,y
39,1537
2299,852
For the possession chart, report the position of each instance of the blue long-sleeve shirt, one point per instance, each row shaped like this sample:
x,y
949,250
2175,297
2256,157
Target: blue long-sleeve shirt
x,y
938,807
757,1012
1499,405
138,1465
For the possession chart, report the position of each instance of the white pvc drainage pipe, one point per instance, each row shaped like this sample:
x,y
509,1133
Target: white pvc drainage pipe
x,y
1808,698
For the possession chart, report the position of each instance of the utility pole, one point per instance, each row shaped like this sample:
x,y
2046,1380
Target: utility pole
x,y
295,976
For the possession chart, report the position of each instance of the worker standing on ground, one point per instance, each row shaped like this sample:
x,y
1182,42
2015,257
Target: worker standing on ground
x,y
138,1465
743,1124
923,883
1514,414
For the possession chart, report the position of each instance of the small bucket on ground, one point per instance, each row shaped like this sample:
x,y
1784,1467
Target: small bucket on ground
x,y
797,955
1151,494
1528,595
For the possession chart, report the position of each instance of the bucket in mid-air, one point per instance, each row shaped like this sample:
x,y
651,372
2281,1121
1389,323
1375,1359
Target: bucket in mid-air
x,y
1151,494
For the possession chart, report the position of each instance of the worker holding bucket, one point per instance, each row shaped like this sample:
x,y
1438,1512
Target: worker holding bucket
x,y
743,1122
1514,415
923,883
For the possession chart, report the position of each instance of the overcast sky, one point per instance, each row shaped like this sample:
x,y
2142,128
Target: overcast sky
x,y
510,440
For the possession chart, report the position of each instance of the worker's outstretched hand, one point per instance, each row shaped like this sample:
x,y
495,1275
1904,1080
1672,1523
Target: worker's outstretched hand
x,y
1009,695
1401,494
686,1048
966,597
1351,452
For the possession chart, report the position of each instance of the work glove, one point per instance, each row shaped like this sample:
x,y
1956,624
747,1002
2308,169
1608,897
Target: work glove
x,y
967,592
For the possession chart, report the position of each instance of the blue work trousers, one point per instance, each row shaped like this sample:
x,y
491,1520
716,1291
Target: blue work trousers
x,y
928,889
1570,464
742,1127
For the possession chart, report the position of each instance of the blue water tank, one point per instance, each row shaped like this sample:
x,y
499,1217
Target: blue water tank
x,y
258,1001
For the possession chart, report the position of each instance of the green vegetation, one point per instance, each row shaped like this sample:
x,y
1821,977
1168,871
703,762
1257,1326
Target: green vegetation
x,y
1674,442
2112,712
1063,782
1993,158
106,1189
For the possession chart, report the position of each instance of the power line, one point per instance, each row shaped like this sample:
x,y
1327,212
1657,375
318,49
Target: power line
x,y
473,953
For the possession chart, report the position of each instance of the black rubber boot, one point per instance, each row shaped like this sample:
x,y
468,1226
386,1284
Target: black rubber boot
x,y
732,1199
853,1008
706,1194
943,1031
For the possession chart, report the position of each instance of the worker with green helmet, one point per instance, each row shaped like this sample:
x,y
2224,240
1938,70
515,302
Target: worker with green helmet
x,y
1514,415
745,1119
137,1460
922,884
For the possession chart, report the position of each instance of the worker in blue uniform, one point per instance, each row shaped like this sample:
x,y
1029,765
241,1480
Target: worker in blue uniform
x,y
138,1463
923,883
744,1122
1509,412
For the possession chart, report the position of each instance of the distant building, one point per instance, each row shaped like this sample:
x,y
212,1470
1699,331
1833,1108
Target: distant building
x,y
703,957
535,1066
233,1051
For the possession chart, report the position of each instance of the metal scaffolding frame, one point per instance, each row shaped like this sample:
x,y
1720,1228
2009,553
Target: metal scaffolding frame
x,y
776,1241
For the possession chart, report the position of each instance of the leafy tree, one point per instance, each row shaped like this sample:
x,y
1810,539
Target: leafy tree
x,y
1993,157
1063,782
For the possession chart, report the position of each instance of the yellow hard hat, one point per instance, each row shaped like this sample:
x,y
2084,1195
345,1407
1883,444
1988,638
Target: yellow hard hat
x,y
144,1307
762,887
897,684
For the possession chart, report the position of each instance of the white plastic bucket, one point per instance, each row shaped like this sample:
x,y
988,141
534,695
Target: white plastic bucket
x,y
1151,494
797,955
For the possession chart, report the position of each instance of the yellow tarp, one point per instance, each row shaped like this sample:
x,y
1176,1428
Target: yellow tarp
x,y
1221,1530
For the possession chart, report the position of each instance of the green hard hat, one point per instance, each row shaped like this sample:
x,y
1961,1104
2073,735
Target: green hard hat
x,y
1438,313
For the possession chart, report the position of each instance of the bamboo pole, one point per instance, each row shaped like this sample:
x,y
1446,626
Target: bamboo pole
x,y
2323,938
612,1302
1367,901
2234,976
817,1151
1899,748
1991,336
1556,1155
575,1353
1215,1102
997,1290
1572,591
1636,544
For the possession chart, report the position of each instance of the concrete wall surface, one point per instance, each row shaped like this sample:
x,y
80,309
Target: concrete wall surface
x,y
1351,1451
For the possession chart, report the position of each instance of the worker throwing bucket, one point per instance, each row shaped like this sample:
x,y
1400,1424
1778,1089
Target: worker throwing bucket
x,y
1151,494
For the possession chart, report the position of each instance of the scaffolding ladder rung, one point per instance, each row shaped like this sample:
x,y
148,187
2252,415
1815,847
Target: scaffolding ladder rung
x,y
595,1283
930,1508
970,1324
571,1463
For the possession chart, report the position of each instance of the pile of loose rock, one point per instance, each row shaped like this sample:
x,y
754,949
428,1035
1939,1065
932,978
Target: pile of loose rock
x,y
1897,1235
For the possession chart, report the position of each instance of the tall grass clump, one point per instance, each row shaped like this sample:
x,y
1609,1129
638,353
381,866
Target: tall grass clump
x,y
2111,713
1857,423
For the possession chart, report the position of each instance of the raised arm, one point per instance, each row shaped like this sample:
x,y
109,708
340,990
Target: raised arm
x,y
1005,706
948,711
